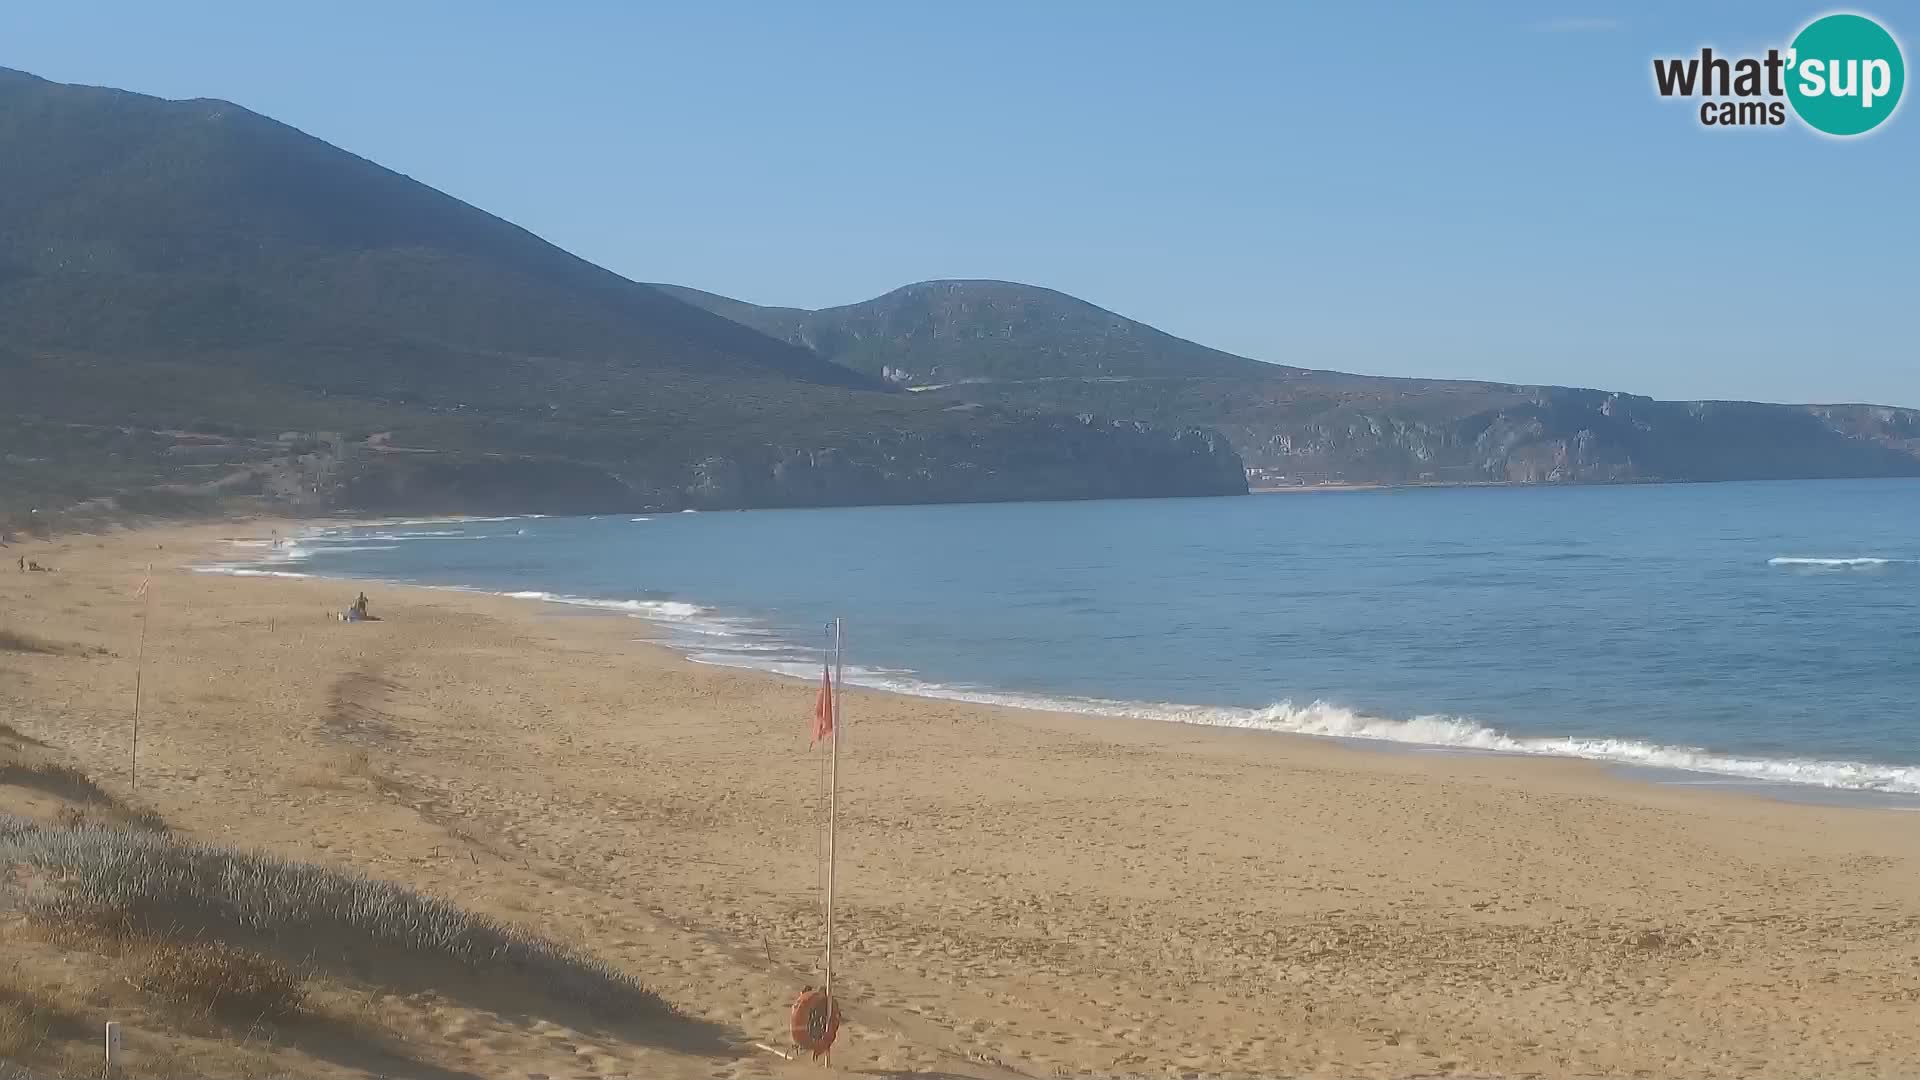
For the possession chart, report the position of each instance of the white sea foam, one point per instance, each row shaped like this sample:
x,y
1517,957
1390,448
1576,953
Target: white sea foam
x,y
640,519
393,523
306,547
712,638
651,609
1436,731
1860,563
247,571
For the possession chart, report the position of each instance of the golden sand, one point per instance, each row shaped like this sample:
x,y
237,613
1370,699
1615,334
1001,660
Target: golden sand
x,y
1065,895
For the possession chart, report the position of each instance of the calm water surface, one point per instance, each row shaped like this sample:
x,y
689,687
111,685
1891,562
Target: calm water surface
x,y
1766,631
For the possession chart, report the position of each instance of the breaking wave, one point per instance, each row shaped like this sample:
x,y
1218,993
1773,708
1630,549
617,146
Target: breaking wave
x,y
1861,563
708,636
246,571
653,609
1328,720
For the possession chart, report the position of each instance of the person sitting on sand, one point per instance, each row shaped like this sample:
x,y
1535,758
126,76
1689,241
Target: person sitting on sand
x,y
359,607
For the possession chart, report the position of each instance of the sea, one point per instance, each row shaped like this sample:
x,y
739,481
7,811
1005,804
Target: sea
x,y
1751,634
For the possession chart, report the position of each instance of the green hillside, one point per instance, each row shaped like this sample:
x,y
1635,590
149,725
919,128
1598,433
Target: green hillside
x,y
953,331
193,267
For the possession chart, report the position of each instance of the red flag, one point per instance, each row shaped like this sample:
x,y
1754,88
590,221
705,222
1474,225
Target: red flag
x,y
823,704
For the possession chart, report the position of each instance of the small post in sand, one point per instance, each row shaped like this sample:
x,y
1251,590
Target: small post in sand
x,y
145,595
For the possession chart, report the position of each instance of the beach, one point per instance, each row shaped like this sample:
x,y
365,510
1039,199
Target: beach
x,y
1019,892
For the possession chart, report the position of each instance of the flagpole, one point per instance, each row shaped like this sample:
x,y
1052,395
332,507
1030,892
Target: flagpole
x,y
833,810
139,672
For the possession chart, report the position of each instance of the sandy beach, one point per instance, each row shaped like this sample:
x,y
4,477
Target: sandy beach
x,y
1021,893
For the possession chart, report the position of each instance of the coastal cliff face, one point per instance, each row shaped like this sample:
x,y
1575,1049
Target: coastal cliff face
x,y
1585,436
1030,458
1018,346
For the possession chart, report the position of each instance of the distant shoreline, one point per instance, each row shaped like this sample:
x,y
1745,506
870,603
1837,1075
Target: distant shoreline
x,y
1303,489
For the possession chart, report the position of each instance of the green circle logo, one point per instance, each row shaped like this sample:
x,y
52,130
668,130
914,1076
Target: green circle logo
x,y
1845,74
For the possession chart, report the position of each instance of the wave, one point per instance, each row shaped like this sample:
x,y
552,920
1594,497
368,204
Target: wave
x,y
660,609
330,540
306,545
392,523
706,636
1328,720
1860,563
247,571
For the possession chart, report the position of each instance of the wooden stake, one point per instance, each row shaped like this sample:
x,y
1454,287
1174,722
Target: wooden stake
x,y
833,811
139,674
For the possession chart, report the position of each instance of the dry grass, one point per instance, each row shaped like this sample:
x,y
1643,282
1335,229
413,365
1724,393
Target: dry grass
x,y
161,888
9,732
110,816
30,1023
54,778
19,641
48,1032
23,1027
200,976
94,805
230,983
22,642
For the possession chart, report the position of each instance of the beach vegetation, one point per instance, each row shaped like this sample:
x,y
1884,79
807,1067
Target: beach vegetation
x,y
88,804
22,642
150,886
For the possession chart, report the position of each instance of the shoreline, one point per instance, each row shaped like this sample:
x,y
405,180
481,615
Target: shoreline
x,y
1066,893
659,632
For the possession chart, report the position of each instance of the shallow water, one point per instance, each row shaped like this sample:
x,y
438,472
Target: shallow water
x,y
1763,631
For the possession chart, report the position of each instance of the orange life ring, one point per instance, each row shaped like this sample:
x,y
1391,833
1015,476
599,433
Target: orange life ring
x,y
816,1020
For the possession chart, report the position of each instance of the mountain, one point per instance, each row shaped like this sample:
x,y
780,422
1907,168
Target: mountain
x,y
954,331
1007,345
198,298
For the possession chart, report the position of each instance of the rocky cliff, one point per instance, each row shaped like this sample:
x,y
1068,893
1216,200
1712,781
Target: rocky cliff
x,y
1023,347
1556,435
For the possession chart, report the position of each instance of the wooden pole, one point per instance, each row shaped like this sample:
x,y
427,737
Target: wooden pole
x,y
833,810
139,673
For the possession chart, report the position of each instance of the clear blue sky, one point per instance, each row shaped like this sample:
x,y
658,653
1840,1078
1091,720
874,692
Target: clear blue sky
x,y
1477,190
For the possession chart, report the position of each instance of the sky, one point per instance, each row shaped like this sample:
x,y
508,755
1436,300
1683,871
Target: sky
x,y
1470,190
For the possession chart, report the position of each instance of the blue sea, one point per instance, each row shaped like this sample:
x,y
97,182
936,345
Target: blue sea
x,y
1755,633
